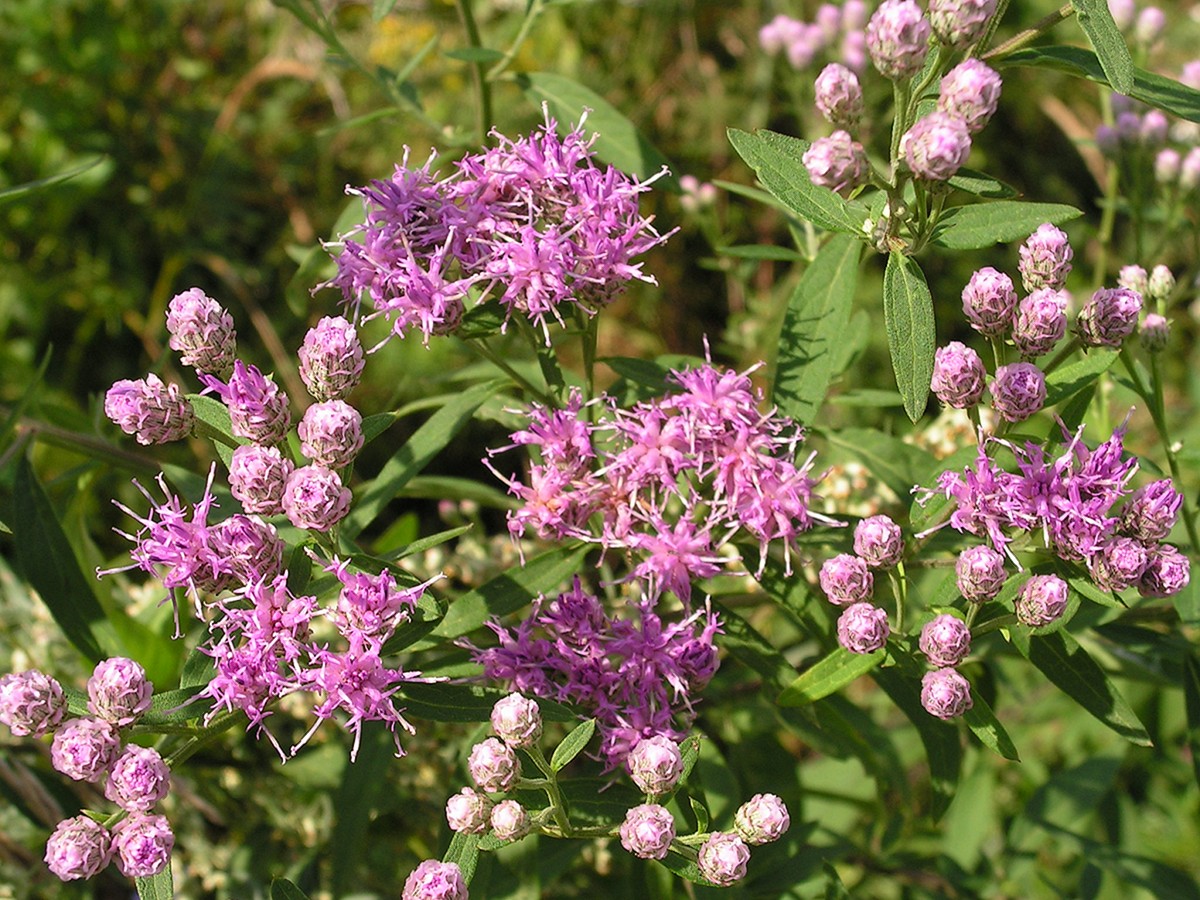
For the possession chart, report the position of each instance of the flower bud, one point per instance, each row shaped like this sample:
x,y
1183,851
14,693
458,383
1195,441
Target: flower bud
x,y
1040,322
1129,129
958,376
762,819
722,858
118,691
877,540
1152,132
79,848
1042,600
435,880
936,146
1167,573
202,332
249,549
331,433
1154,333
863,628
647,831
970,91
989,301
1045,259
314,497
945,641
257,476
829,21
1134,278
509,820
1018,391
960,23
1189,170
979,573
149,409
1119,564
853,50
31,703
898,38
258,408
837,162
1108,142
1123,12
839,96
1149,27
846,579
138,779
1166,166
331,359
142,845
468,812
84,748
655,764
1108,317
1151,511
945,693
517,720
1161,284
494,766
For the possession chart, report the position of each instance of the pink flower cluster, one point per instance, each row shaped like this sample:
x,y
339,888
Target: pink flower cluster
x,y
836,30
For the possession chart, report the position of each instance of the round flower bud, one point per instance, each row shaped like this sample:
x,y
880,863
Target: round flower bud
x,y
517,720
762,819
837,162
877,540
863,628
971,91
84,748
1189,170
839,96
829,21
1040,322
979,573
936,146
1149,27
1045,259
898,39
468,812
1161,284
257,475
1119,564
1152,130
846,579
435,880
1123,12
138,779
494,766
945,641
1154,333
1167,163
1134,278
853,51
150,410
509,820
1042,600
249,548
142,845
1018,391
331,359
1151,511
803,43
647,831
314,497
958,376
201,332
722,858
258,408
1167,573
118,691
79,848
945,693
960,23
1109,317
655,764
989,301
31,703
331,433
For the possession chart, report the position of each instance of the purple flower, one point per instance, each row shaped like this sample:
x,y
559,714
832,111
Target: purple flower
x,y
150,410
1154,333
331,359
837,162
1042,600
1018,391
315,498
79,848
945,641
970,91
258,408
1119,564
1167,164
331,433
435,880
960,23
1153,129
84,748
119,691
1110,316
958,376
655,764
898,38
846,579
722,858
878,542
989,301
373,605
509,820
257,476
1040,322
202,332
31,703
647,831
762,819
945,693
1045,259
517,720
839,96
862,628
138,779
1167,573
979,573
1152,511
249,549
494,767
936,146
142,845
468,812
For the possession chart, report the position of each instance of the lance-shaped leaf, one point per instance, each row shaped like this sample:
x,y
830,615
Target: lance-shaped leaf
x,y
282,889
572,745
1097,23
980,225
1191,699
1067,381
985,726
908,316
832,673
156,887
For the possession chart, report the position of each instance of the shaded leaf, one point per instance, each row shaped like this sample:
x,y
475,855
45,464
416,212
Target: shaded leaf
x,y
985,726
355,801
761,251
832,673
29,187
912,336
898,465
475,54
1067,381
980,225
572,745
445,702
1105,37
282,889
1191,698
981,185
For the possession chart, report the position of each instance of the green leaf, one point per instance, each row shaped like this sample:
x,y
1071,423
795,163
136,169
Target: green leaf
x,y
156,887
379,11
619,141
29,187
448,487
174,707
198,670
1067,381
446,702
1191,699
981,185
832,673
912,336
1163,93
464,853
980,225
1077,675
482,321
749,647
639,371
429,440
985,726
761,251
778,161
814,324
475,55
212,417
282,889
355,802
868,397
374,426
572,745
1097,23
44,555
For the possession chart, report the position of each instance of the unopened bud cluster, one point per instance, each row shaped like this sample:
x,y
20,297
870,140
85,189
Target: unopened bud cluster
x,y
848,580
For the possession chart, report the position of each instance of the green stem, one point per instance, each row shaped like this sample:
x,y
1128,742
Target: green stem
x,y
899,115
495,359
1019,40
1058,358
483,88
534,13
900,589
557,806
1158,413
219,725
